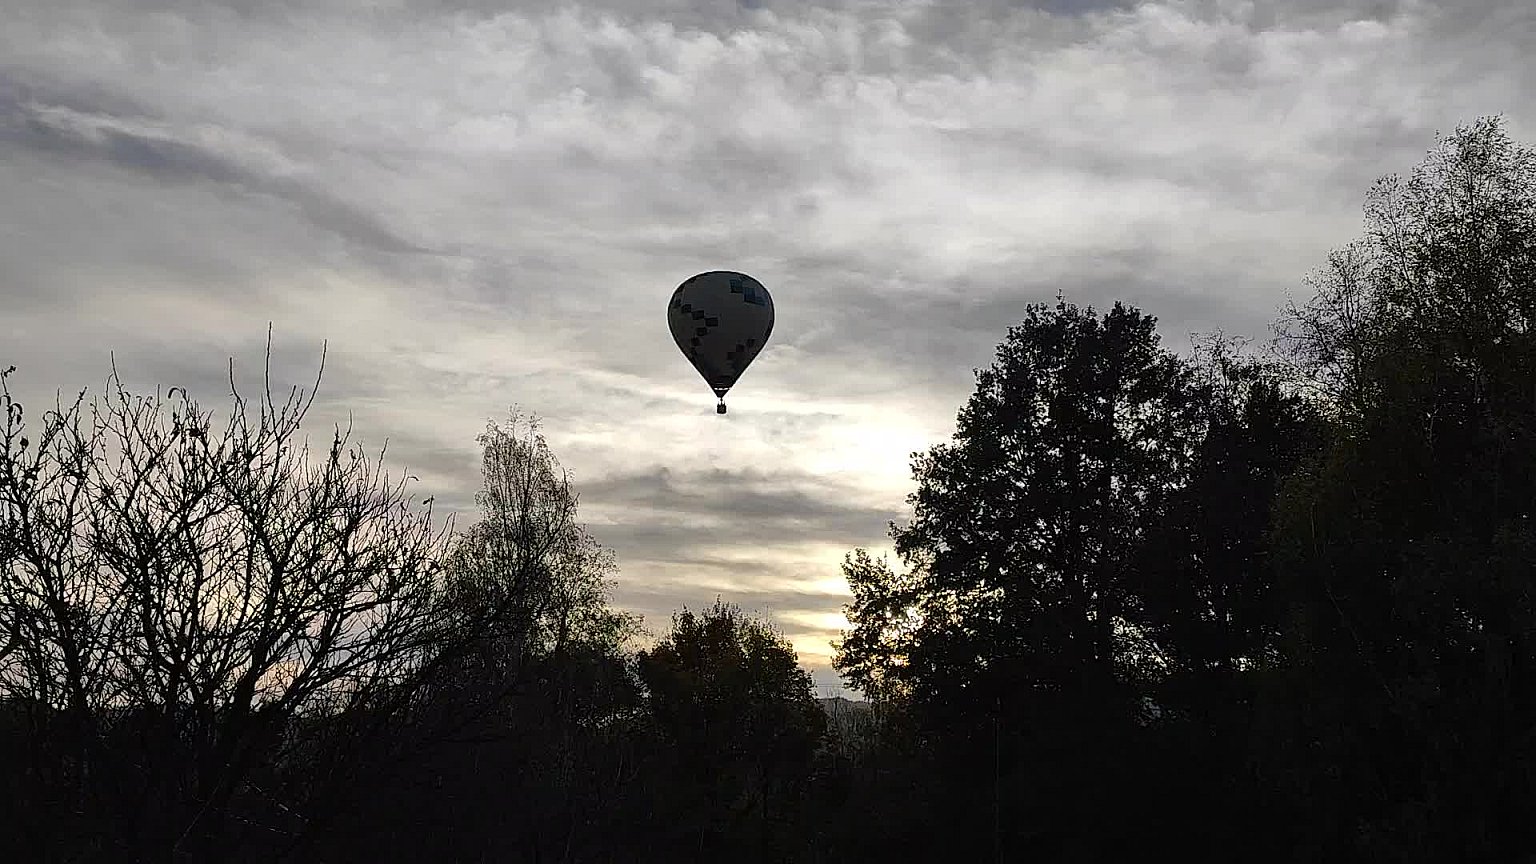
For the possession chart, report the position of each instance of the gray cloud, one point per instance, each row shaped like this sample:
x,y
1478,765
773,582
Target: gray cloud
x,y
484,202
738,507
64,132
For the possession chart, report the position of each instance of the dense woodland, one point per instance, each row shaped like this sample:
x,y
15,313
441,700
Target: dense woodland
x,y
1266,604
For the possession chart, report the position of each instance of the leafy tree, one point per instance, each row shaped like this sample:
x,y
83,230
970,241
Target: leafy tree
x,y
528,570
1024,525
1203,580
741,725
1408,549
1210,607
1016,633
531,733
528,559
872,656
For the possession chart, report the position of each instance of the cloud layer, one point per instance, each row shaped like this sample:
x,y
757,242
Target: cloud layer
x,y
482,203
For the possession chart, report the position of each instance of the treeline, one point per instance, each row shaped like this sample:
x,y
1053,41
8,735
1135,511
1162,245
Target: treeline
x,y
220,644
1242,605
1272,607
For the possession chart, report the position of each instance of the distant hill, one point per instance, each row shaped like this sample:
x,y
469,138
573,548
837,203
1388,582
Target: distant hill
x,y
850,720
837,705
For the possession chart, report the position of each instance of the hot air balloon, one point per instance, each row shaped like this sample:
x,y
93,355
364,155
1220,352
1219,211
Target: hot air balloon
x,y
720,320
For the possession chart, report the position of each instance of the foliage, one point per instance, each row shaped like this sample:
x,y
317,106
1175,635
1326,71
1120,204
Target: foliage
x,y
1024,525
1407,551
741,721
534,575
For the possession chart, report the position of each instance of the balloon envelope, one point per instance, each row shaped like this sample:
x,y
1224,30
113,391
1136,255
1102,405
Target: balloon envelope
x,y
720,320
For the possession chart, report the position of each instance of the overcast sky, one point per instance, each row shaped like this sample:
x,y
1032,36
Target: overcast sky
x,y
486,202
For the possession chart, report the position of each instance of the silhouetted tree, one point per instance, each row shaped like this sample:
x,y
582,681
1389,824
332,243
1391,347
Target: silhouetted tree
x,y
522,745
1209,606
1023,525
1203,581
741,725
1407,552
178,595
872,656
1015,629
528,562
